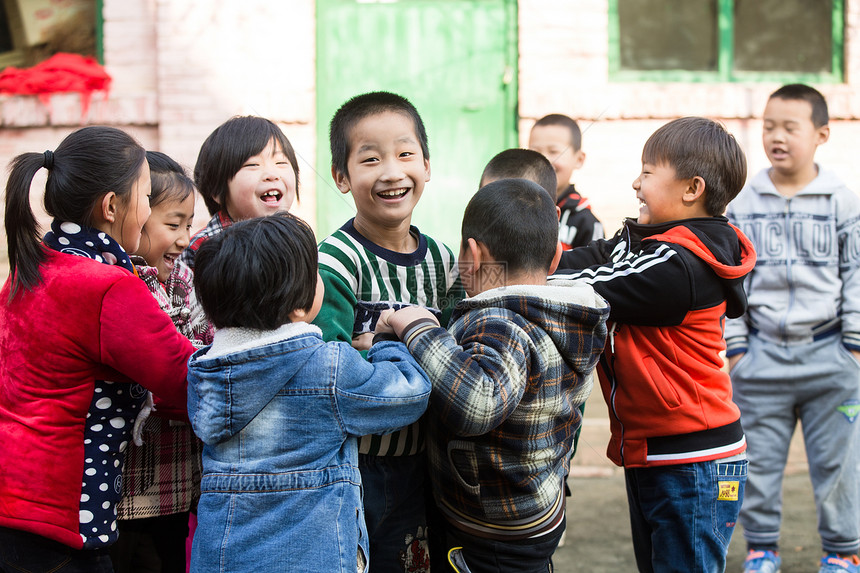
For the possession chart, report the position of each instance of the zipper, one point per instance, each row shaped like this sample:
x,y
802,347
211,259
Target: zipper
x,y
609,367
788,267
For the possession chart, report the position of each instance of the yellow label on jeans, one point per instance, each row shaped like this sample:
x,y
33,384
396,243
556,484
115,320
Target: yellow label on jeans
x,y
729,490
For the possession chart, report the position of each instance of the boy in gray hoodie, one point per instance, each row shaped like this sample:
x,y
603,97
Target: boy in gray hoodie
x,y
794,355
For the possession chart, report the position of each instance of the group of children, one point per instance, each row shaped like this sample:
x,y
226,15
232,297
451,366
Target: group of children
x,y
377,403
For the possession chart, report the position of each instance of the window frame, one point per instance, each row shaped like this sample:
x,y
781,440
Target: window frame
x,y
725,55
17,56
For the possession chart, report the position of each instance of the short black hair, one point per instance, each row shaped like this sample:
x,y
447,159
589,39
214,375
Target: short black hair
x,y
523,164
169,180
803,92
228,147
358,108
697,146
256,272
566,122
516,220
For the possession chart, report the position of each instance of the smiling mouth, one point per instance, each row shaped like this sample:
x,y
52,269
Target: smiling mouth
x,y
393,193
273,196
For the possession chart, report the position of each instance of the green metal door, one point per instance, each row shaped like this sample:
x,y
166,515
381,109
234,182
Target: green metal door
x,y
455,60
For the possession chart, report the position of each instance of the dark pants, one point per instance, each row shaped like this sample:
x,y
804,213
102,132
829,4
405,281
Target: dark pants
x,y
152,545
22,552
489,556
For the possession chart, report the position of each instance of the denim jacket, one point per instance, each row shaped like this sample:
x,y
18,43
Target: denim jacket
x,y
279,412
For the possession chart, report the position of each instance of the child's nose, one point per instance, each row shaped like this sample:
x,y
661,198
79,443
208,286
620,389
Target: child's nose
x,y
392,171
184,240
636,184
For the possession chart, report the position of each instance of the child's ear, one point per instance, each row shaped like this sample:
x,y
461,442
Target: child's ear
x,y
109,207
555,258
426,170
476,255
695,189
822,134
341,180
578,159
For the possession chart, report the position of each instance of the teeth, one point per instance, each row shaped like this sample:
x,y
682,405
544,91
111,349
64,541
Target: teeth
x,y
272,194
392,193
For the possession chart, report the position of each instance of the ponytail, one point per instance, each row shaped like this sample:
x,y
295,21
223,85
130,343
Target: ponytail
x,y
22,231
88,164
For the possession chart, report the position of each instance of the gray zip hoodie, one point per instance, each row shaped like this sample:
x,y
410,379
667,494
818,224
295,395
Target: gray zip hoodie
x,y
805,284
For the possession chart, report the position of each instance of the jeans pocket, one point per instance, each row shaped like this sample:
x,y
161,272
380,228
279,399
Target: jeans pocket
x,y
730,478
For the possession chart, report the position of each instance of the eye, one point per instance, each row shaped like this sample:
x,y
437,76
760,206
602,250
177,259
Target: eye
x,y
173,226
369,160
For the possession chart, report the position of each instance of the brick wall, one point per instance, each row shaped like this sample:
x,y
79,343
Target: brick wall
x,y
182,67
563,54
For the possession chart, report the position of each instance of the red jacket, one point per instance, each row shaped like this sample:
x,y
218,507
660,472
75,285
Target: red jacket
x,y
85,321
670,287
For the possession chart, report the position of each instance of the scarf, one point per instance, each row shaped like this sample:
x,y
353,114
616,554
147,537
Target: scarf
x,y
73,239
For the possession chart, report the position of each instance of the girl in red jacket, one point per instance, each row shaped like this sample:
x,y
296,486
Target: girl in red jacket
x,y
81,339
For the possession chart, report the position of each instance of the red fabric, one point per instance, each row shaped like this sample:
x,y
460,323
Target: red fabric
x,y
84,321
59,73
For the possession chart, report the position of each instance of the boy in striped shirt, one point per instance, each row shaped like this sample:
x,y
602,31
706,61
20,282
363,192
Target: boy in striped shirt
x,y
378,261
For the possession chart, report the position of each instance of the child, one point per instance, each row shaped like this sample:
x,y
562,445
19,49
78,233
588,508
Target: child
x,y
161,477
558,138
377,261
670,278
800,339
508,377
521,164
73,318
246,168
279,410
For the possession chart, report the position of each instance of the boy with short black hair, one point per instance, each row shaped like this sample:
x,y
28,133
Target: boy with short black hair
x,y
518,163
378,261
508,376
671,278
280,411
559,139
794,356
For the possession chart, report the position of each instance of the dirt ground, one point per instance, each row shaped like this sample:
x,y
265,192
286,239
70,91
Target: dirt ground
x,y
598,529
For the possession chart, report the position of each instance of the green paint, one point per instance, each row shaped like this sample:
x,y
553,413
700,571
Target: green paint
x,y
455,60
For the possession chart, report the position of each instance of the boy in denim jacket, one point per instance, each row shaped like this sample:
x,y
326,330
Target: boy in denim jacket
x,y
280,411
508,376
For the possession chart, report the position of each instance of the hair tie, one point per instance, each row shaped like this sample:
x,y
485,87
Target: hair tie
x,y
49,160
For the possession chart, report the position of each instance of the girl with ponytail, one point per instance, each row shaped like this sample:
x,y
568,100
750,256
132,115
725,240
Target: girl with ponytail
x,y
81,340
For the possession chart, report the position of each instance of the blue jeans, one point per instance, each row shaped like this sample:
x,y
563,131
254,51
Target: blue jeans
x,y
22,552
395,513
490,556
683,516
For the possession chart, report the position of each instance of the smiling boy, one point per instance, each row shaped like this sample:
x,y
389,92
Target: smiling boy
x,y
794,356
670,278
377,261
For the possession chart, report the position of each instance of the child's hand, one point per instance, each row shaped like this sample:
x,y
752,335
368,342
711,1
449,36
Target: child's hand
x,y
402,318
382,325
362,341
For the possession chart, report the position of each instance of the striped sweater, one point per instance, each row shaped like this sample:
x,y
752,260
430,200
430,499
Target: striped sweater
x,y
362,279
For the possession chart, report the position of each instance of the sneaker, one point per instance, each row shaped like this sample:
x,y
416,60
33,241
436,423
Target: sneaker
x,y
833,563
762,562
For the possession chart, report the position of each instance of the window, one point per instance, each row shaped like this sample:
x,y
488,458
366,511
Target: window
x,y
33,30
726,40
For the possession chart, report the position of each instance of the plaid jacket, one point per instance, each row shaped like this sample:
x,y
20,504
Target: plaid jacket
x,y
162,477
508,377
